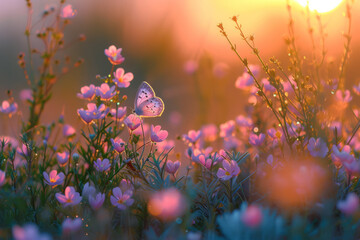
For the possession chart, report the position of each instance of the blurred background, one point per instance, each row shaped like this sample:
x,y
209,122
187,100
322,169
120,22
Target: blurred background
x,y
163,38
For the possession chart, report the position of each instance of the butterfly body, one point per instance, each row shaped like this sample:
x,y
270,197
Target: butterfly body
x,y
147,104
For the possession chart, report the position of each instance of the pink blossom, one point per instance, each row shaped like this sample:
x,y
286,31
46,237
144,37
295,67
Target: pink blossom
x,y
227,129
252,217
231,169
26,95
121,113
166,145
171,167
121,200
352,166
132,122
68,130
54,178
71,225
205,161
243,121
274,134
267,86
97,201
102,165
92,113
193,136
28,232
2,178
139,131
8,108
209,132
122,79
344,97
114,55
71,197
350,205
63,158
317,148
87,92
356,89
158,135
23,151
244,81
8,141
338,157
190,67
118,144
167,204
219,156
257,140
105,92
67,12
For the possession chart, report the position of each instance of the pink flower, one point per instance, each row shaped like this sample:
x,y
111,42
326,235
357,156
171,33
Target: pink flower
x,y
68,130
67,12
71,225
352,166
171,167
190,67
122,79
338,157
28,232
8,108
118,144
344,97
26,95
97,201
231,169
8,141
256,140
209,132
227,129
92,113
71,197
132,122
87,92
267,85
252,217
167,204
105,92
205,161
356,89
193,136
317,148
244,81
102,165
54,179
62,158
158,135
120,200
121,112
165,145
139,131
243,121
114,55
350,205
2,178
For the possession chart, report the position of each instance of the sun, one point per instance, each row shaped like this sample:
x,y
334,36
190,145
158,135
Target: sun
x,y
320,6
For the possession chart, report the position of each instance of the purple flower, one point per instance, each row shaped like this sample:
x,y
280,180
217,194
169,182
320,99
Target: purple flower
x,y
267,86
350,205
244,81
338,157
87,92
28,232
8,108
120,113
97,201
120,200
2,178
114,55
92,113
68,130
71,225
132,122
256,140
171,167
158,135
243,121
105,92
317,148
227,129
126,185
231,169
122,79
26,95
54,178
344,97
67,12
102,165
62,158
118,144
71,197
192,136
356,89
88,190
205,161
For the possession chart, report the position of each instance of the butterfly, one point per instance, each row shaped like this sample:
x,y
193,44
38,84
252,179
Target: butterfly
x,y
147,104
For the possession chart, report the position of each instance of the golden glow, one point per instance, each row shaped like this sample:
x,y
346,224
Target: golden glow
x,y
320,6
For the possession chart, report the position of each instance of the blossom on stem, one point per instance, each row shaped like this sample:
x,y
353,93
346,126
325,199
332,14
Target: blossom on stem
x,y
87,92
54,178
105,92
118,144
158,135
102,165
192,136
68,130
62,158
230,169
8,108
122,79
317,148
121,200
257,140
172,167
227,129
67,12
71,197
132,121
114,55
350,205
92,113
121,113
97,201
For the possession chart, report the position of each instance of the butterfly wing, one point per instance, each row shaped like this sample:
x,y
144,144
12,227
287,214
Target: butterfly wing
x,y
144,93
152,107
